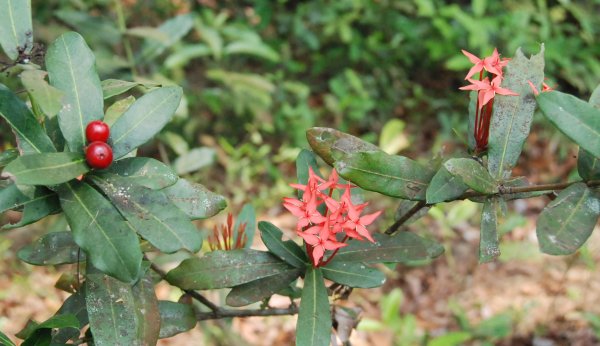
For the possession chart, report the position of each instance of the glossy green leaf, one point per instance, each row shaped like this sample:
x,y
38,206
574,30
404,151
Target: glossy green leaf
x,y
577,119
567,222
391,175
512,115
196,201
47,97
400,248
74,305
219,269
246,216
5,341
174,29
588,166
47,169
324,141
114,87
100,230
353,274
314,318
258,290
16,197
489,245
445,186
151,214
287,250
117,109
16,31
43,203
121,314
42,334
71,68
52,249
31,137
472,174
144,119
144,171
175,318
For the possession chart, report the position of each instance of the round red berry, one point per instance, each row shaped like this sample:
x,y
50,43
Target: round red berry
x,y
97,130
98,155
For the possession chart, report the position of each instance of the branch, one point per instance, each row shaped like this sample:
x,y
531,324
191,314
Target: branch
x,y
225,313
502,190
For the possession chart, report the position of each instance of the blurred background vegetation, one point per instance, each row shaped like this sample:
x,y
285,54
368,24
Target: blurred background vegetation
x,y
257,74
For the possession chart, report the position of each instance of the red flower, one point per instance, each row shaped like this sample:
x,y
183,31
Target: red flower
x,y
488,90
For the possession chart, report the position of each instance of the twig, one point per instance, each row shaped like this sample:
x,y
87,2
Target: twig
x,y
199,297
502,190
225,313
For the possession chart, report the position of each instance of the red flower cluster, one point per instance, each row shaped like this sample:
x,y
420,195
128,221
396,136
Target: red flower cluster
x,y
486,91
225,238
341,219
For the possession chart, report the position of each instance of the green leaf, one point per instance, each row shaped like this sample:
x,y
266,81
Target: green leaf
x,y
196,201
258,49
114,87
185,54
401,248
287,250
577,119
42,334
194,160
146,117
451,339
5,341
324,141
121,314
52,249
74,305
566,222
246,216
17,197
45,96
174,29
71,68
489,246
392,138
99,229
219,269
117,109
391,175
445,186
588,166
512,115
151,214
175,318
47,169
314,318
261,289
31,137
43,203
15,27
144,171
353,274
7,156
472,174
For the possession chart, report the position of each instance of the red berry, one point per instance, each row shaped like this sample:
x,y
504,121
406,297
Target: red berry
x,y
97,130
98,155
